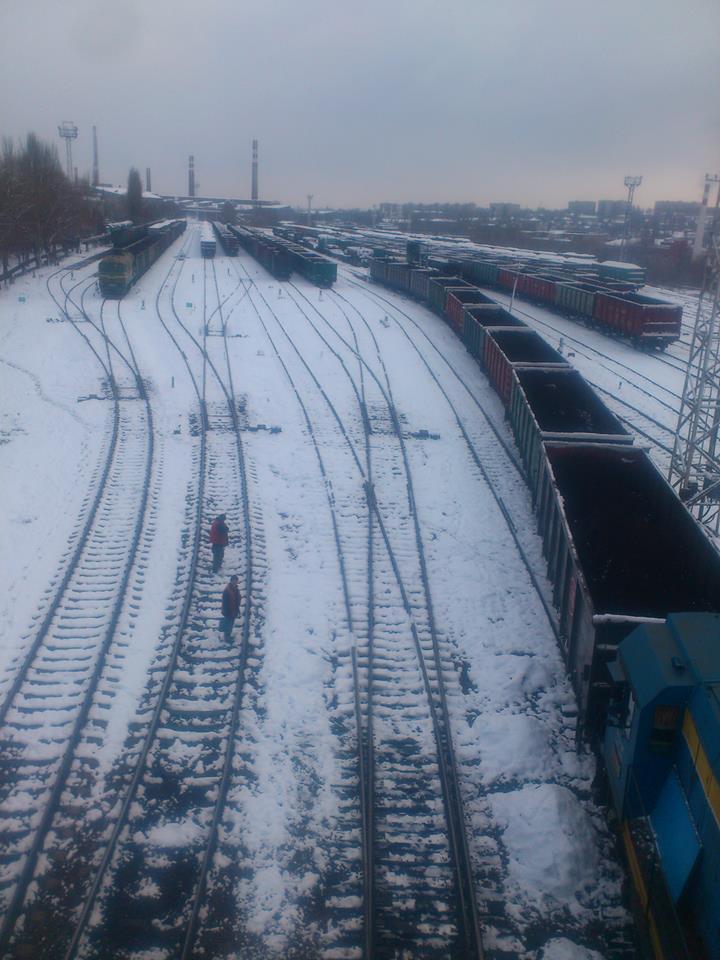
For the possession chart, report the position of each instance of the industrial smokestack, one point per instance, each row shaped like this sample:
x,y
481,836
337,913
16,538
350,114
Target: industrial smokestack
x,y
254,170
148,181
191,176
96,164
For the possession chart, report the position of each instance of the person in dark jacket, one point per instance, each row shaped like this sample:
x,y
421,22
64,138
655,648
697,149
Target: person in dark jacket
x,y
219,540
230,606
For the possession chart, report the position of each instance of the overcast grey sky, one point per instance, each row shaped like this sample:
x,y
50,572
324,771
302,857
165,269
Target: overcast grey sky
x,y
534,101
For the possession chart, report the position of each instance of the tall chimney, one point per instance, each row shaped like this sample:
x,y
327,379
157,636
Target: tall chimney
x,y
191,176
148,181
96,164
254,170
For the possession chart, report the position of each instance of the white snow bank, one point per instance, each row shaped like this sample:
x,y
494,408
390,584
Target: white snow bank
x,y
551,844
562,949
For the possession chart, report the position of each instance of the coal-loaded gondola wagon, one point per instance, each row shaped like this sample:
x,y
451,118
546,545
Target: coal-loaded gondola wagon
x,y
207,240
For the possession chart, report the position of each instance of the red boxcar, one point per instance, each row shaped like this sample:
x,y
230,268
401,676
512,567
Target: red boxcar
x,y
640,318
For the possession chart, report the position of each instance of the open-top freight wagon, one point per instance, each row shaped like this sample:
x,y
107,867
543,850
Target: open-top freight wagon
x,y
506,349
478,320
314,267
281,257
552,405
621,549
207,240
456,301
604,297
227,240
642,319
266,249
119,270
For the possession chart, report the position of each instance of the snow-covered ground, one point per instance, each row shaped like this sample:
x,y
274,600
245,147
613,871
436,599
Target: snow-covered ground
x,y
527,791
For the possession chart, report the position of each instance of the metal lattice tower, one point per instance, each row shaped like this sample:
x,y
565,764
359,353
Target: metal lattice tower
x,y
632,183
254,185
699,245
695,464
68,131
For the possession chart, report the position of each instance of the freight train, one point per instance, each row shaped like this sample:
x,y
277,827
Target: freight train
x,y
207,240
636,593
273,256
227,240
281,257
620,546
119,270
601,295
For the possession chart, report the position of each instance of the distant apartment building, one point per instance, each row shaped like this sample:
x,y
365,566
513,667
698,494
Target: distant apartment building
x,y
504,210
681,208
610,209
581,207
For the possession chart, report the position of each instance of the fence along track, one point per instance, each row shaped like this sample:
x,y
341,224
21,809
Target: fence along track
x,y
79,577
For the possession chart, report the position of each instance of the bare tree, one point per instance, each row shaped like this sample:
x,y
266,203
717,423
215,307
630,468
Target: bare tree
x,y
228,214
134,196
39,208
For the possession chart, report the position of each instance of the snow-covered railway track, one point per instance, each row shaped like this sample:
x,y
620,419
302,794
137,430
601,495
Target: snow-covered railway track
x,y
58,697
164,842
493,457
452,918
97,795
414,850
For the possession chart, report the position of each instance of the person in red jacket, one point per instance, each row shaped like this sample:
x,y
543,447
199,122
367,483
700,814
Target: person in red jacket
x,y
230,606
219,540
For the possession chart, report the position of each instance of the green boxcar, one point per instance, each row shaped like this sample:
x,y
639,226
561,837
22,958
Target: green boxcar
x,y
575,298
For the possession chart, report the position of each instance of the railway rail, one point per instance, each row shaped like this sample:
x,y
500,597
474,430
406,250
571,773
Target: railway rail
x,y
420,877
44,717
138,751
389,546
198,706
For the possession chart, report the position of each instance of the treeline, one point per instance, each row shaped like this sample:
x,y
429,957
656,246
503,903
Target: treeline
x,y
40,209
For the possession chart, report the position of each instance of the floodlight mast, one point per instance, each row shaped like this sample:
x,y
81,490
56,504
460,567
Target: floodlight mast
x,y
632,183
68,131
695,463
